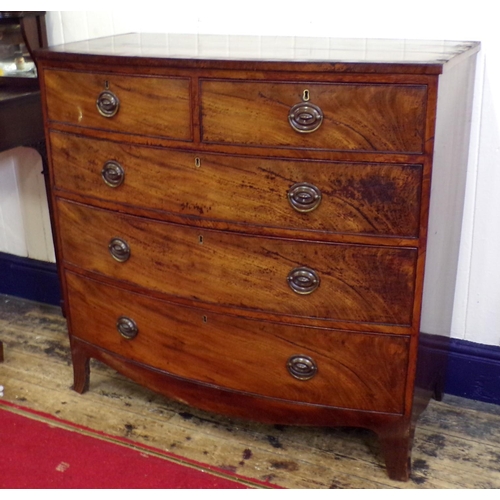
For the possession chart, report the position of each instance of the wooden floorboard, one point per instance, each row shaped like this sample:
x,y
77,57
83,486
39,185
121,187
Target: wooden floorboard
x,y
457,442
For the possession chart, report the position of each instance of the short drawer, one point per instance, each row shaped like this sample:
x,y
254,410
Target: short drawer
x,y
278,275
318,366
314,196
344,117
142,105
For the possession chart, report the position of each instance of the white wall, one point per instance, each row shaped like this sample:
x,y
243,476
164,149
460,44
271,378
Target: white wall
x,y
477,309
24,215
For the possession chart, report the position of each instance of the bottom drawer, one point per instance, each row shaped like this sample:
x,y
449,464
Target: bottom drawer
x,y
319,366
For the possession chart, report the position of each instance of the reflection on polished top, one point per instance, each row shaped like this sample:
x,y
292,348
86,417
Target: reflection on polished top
x,y
270,48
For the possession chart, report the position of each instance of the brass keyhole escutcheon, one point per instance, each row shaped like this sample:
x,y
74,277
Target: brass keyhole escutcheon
x,y
305,95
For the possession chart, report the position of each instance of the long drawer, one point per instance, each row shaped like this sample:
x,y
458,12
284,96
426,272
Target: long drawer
x,y
316,196
142,105
329,116
283,276
343,369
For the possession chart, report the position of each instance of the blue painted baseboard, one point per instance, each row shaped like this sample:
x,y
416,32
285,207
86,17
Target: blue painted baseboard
x,y
473,369
29,279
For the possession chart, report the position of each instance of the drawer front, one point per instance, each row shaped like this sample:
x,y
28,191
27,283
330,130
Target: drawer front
x,y
151,106
351,117
316,196
353,370
356,282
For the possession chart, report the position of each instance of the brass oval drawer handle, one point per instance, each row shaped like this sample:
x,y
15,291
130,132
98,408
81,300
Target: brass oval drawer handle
x,y
305,117
301,367
113,174
304,197
127,327
119,249
303,280
107,103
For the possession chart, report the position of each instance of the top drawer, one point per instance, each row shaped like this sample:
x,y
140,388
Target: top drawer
x,y
349,117
152,106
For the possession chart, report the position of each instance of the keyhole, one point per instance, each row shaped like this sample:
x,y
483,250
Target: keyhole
x,y
205,319
197,162
305,95
106,85
200,240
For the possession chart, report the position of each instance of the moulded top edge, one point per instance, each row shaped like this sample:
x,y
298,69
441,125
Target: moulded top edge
x,y
220,49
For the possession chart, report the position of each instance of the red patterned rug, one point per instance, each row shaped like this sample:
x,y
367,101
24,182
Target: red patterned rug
x,y
39,451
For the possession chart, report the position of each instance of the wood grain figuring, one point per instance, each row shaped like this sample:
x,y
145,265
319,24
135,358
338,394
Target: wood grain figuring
x,y
148,105
357,117
172,338
358,283
356,198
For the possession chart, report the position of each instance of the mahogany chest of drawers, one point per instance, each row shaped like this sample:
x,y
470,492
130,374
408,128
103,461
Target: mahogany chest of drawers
x,y
248,233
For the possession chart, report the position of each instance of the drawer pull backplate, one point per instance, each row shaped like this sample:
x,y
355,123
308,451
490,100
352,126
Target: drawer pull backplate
x,y
107,104
304,197
301,367
113,174
127,327
305,117
119,249
303,280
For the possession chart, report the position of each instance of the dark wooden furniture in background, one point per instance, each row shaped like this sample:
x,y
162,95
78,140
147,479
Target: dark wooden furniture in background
x,y
248,233
21,121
